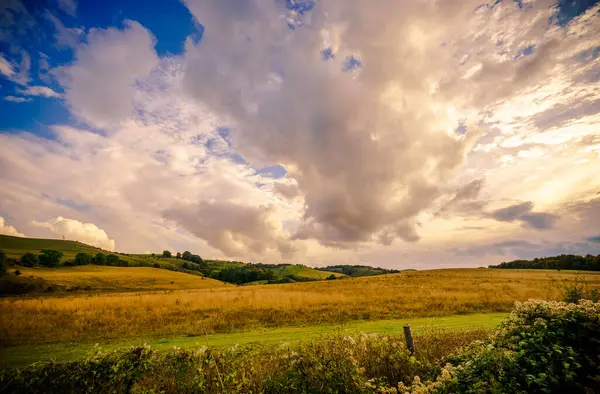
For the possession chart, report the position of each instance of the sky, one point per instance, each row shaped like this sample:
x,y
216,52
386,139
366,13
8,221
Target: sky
x,y
422,134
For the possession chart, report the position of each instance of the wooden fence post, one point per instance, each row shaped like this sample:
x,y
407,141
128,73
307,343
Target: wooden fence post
x,y
409,339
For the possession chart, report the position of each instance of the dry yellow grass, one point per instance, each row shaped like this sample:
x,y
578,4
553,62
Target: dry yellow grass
x,y
87,318
120,278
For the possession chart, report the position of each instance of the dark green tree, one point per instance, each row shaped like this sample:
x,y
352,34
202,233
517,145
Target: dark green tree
x,y
187,256
331,277
50,257
2,263
82,259
178,255
112,259
29,260
166,253
99,259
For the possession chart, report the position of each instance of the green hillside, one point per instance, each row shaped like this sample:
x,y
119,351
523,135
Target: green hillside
x,y
356,271
15,247
302,271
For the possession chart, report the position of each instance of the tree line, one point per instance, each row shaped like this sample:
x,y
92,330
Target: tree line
x,y
561,262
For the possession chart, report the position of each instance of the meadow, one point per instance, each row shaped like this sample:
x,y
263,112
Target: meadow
x,y
90,318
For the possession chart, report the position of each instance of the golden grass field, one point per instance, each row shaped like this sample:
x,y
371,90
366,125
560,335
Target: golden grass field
x,y
120,278
97,317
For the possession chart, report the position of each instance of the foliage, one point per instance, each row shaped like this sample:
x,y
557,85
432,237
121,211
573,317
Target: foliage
x,y
331,277
29,260
579,290
82,259
358,270
178,255
2,263
100,259
562,262
542,347
112,259
166,253
17,272
50,257
187,255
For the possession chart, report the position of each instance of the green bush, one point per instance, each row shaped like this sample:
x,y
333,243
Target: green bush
x,y
2,263
99,259
29,260
548,347
112,259
50,257
82,259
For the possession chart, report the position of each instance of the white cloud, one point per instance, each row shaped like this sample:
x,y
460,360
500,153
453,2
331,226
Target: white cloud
x,y
8,230
68,6
43,91
99,85
371,155
65,36
15,99
6,67
71,229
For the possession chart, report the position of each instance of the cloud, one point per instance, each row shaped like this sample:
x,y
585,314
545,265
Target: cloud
x,y
363,171
42,91
523,212
512,212
6,68
595,238
99,85
72,229
15,99
65,36
235,229
68,6
9,230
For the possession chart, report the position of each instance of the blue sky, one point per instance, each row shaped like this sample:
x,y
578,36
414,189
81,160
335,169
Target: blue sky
x,y
286,120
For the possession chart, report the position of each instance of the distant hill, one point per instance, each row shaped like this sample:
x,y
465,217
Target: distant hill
x,y
225,271
356,271
562,262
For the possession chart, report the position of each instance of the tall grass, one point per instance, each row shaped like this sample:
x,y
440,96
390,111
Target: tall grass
x,y
90,318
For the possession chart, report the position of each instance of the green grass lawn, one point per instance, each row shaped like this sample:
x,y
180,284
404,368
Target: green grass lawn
x,y
24,355
305,272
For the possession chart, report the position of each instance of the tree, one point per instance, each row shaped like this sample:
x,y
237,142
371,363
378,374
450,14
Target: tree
x,y
331,277
178,255
50,257
196,259
100,259
156,265
187,256
112,259
29,260
185,266
2,263
82,259
166,253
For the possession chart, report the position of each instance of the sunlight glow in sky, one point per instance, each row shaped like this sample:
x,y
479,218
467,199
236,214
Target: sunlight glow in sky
x,y
401,134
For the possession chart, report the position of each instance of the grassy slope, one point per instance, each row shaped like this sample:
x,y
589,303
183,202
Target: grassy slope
x,y
120,278
15,247
305,272
23,355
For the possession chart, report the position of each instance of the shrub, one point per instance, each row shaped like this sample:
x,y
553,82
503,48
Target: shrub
x,y
574,292
82,259
17,272
156,265
50,257
2,263
542,347
166,253
112,259
29,260
99,259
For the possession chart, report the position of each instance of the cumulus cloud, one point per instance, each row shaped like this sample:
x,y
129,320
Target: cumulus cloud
x,y
72,229
235,229
42,91
65,36
99,85
374,154
8,230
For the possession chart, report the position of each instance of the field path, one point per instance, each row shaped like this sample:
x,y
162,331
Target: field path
x,y
23,355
